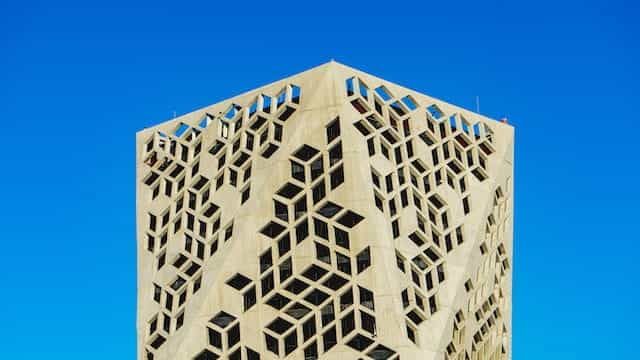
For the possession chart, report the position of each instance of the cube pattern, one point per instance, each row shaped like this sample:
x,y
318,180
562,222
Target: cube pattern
x,y
329,215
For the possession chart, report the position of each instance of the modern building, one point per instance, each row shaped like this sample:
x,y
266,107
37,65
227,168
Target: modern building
x,y
329,215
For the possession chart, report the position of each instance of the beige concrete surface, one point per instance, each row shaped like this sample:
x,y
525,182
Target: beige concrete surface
x,y
329,215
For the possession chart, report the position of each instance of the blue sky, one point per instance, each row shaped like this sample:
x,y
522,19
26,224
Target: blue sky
x,y
78,79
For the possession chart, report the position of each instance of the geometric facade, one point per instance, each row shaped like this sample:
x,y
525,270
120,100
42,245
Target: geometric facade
x,y
329,215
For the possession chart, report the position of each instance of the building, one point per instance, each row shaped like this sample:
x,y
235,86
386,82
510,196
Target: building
x,y
329,215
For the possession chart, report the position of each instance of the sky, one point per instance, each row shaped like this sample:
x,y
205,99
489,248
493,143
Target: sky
x,y
78,79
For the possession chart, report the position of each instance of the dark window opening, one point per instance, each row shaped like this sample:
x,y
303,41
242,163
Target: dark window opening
x,y
302,231
286,270
337,177
309,328
278,301
360,342
329,338
327,314
333,130
249,298
305,153
267,284
223,319
363,260
348,324
272,344
366,298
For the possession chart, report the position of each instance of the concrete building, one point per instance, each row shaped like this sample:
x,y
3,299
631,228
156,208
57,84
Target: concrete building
x,y
329,215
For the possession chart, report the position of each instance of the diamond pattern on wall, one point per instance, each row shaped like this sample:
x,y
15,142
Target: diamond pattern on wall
x,y
342,217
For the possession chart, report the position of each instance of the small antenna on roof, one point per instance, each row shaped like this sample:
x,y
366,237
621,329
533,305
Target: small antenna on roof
x,y
478,104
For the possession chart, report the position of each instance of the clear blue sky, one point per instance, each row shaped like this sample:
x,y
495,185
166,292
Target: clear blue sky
x,y
78,79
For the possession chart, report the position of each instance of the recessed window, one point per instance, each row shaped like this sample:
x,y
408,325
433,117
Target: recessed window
x,y
222,319
348,324
245,195
411,334
415,317
215,338
333,130
327,314
395,228
278,301
360,342
206,355
335,282
319,192
366,298
335,154
433,307
405,298
346,300
329,209
267,284
342,238
321,229
337,177
465,205
323,254
286,270
302,231
249,298
168,301
400,262
344,263
296,286
272,344
311,351
309,328
316,168
297,171
281,211
252,355
316,297
329,339
459,236
272,229
378,202
279,325
350,219
290,342
284,245
238,281
236,355
265,261
228,232
368,323
289,190
428,280
152,222
300,207
381,352
305,153
468,285
288,111
383,93
363,260
314,273
371,147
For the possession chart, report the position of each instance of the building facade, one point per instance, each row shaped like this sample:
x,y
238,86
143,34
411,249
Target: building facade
x,y
329,215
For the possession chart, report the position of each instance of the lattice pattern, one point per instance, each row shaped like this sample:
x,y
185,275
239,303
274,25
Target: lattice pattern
x,y
325,220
